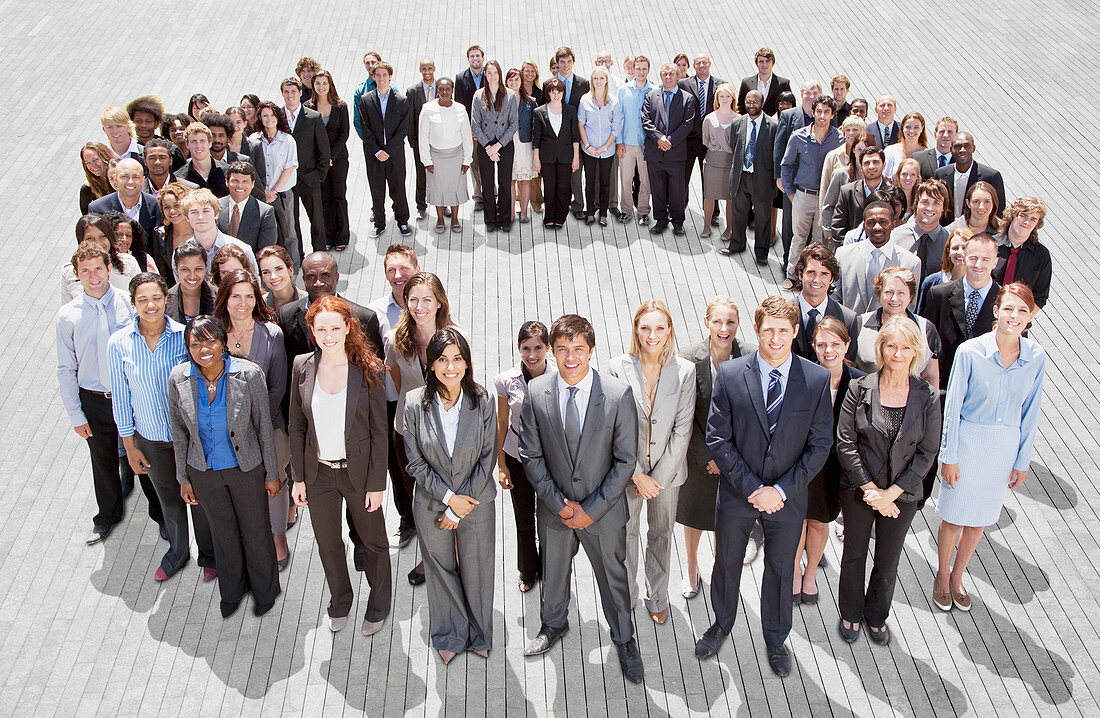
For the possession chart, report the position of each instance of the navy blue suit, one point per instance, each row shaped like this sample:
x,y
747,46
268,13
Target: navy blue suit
x,y
668,169
149,217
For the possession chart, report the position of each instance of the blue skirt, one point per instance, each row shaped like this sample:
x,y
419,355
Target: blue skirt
x,y
987,453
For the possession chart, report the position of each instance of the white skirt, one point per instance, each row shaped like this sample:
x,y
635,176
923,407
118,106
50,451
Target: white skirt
x,y
523,163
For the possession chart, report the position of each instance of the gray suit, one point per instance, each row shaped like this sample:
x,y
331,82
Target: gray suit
x,y
597,479
853,291
663,436
257,228
460,583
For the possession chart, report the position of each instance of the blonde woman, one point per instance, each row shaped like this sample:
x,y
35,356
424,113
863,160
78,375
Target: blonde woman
x,y
719,156
600,121
663,385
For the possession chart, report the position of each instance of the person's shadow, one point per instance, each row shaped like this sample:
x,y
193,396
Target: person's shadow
x,y
1046,487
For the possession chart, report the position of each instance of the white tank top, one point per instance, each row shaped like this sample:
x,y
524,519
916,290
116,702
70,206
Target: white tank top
x,y
328,422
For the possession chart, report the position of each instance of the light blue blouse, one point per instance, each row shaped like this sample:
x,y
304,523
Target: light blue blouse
x,y
600,122
982,391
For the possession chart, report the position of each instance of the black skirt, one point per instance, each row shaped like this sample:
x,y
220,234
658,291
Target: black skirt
x,y
823,493
695,506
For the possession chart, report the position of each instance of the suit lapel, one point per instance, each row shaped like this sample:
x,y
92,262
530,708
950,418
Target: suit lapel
x,y
355,383
796,389
189,405
756,392
958,307
593,415
305,389
557,427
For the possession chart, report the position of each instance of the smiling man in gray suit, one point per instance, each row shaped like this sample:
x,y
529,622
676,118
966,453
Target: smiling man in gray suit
x,y
578,444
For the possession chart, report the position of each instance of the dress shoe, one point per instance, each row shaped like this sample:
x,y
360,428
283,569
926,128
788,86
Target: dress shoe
x,y
658,227
761,261
446,656
403,536
752,550
714,220
880,635
506,228
446,211
358,556
942,599
779,660
603,220
422,213
961,600
589,220
228,608
631,661
283,562
483,652
260,609
725,251
711,641
823,563
810,599
643,219
850,635
544,641
209,574
291,524
98,534
160,575
337,623
678,231
478,205
787,285
659,617
578,214
372,627
416,576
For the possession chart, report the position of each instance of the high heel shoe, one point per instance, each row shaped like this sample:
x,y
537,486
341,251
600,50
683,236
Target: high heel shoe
x,y
692,591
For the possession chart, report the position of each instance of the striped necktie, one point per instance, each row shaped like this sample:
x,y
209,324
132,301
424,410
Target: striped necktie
x,y
775,400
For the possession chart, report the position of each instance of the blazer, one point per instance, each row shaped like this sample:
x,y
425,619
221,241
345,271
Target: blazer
x,y
338,130
978,173
470,471
606,457
945,306
311,139
465,88
664,434
804,344
698,454
852,290
763,167
1034,266
248,416
415,95
675,126
365,434
865,451
691,84
215,181
255,153
387,133
771,102
847,213
927,159
173,308
149,216
832,467
580,87
257,228
789,120
737,430
895,133
292,320
555,147
491,126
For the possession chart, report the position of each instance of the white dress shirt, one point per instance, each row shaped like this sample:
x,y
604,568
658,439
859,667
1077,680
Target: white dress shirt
x,y
388,312
292,117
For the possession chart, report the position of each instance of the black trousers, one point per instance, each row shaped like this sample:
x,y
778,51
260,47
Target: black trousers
x,y
388,175
667,185
103,446
421,177
523,506
325,494
235,504
162,471
496,184
760,205
147,488
734,521
696,151
858,598
307,192
402,498
597,184
334,198
555,187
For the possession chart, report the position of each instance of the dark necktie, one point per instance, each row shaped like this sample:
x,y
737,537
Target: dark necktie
x,y
1010,268
943,160
235,220
668,103
702,95
922,253
775,400
750,149
572,423
973,303
811,324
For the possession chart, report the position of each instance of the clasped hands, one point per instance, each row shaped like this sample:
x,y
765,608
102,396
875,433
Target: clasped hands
x,y
493,151
881,500
766,499
647,487
460,506
574,516
664,143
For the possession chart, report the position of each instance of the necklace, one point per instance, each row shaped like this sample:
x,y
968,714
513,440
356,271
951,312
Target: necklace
x,y
240,335
212,384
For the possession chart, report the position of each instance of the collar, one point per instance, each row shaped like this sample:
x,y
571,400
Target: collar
x,y
106,300
123,204
171,326
969,169
568,80
231,366
584,385
806,307
987,344
765,368
967,289
456,409
134,148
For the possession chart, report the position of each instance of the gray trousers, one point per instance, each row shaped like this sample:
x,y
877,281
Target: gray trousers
x,y
606,552
458,572
661,517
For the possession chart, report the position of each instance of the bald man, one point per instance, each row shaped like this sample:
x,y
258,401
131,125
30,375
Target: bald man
x,y
129,199
418,95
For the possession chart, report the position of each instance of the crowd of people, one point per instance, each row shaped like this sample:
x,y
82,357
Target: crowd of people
x,y
192,363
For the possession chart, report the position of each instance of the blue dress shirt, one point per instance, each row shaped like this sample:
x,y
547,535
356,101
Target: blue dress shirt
x,y
139,380
213,420
630,103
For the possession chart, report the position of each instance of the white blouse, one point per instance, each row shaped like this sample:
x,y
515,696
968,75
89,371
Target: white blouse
x,y
445,128
328,422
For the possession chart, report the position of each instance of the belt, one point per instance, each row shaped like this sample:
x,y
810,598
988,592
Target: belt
x,y
338,464
807,191
104,394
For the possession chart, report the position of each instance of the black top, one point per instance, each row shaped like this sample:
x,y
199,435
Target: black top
x,y
1034,267
555,147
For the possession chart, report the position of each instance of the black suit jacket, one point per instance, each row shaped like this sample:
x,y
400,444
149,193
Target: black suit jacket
x,y
691,84
257,228
215,181
978,173
314,155
928,161
771,102
415,96
386,133
848,211
676,126
255,153
555,147
580,86
1033,267
737,429
763,167
465,88
338,130
149,217
945,306
884,142
698,455
804,344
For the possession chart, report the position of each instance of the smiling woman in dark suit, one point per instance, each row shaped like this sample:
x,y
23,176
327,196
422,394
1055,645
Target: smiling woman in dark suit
x,y
450,441
334,189
556,137
338,453
225,459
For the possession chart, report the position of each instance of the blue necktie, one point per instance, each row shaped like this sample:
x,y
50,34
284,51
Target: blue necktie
x,y
568,90
750,149
943,160
702,95
775,400
668,103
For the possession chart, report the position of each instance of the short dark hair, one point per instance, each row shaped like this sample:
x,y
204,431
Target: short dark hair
x,y
533,330
146,278
569,326
470,49
553,85
822,254
826,100
91,250
190,248
240,167
291,81
787,97
872,150
203,327
210,118
164,144
877,204
564,51
891,195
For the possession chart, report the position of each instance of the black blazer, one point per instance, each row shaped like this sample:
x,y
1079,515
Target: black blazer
x,y
415,96
149,216
365,431
338,129
865,451
737,429
884,142
945,306
691,84
257,228
763,169
698,455
848,211
215,181
771,102
296,335
255,153
384,133
580,87
927,159
978,173
1034,267
676,126
555,147
173,308
314,154
832,467
465,88
803,342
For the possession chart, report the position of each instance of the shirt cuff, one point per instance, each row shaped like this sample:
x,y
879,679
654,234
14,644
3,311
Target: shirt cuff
x,y
452,515
447,497
778,488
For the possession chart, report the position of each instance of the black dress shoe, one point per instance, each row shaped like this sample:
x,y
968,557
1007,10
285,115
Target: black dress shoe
x,y
260,609
578,214
230,607
823,563
357,556
631,661
850,635
810,599
163,532
98,534
714,220
590,220
446,211
779,660
404,535
659,227
881,636
711,641
725,251
761,261
417,577
545,640
678,231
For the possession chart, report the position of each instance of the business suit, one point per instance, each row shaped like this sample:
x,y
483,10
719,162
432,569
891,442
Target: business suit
x,y
149,216
257,227
854,290
977,173
326,487
945,306
876,131
254,149
386,134
696,149
314,159
803,345
572,97
233,499
465,87
752,191
847,213
556,151
790,120
459,564
417,100
778,86
748,457
928,160
667,169
664,430
597,479
491,126
334,190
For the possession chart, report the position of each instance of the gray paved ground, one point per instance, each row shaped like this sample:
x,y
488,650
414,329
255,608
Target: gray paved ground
x,y
86,631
